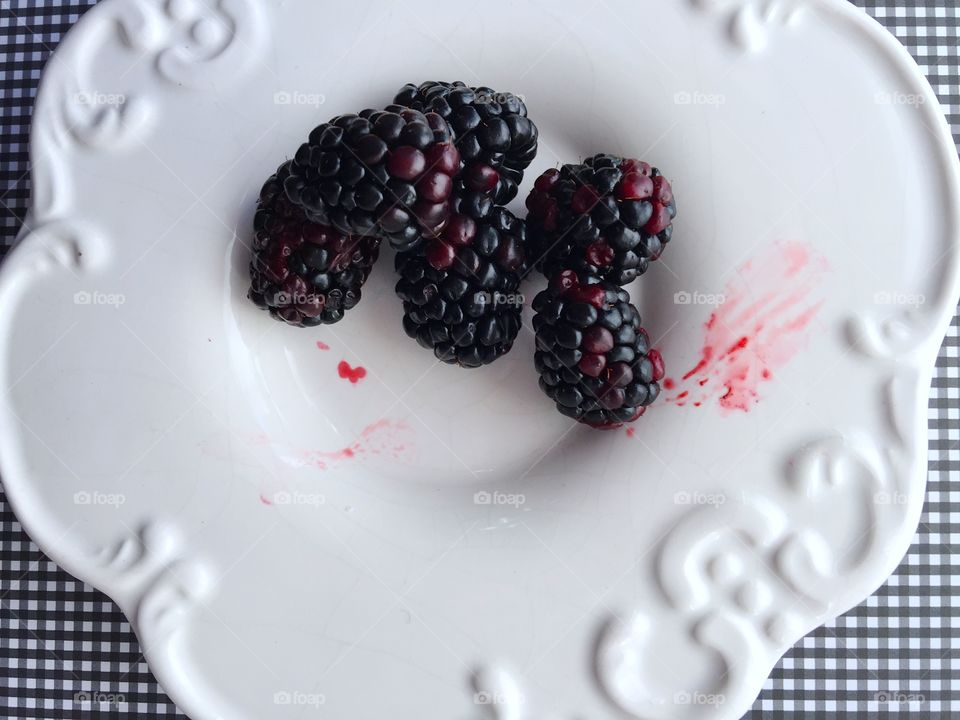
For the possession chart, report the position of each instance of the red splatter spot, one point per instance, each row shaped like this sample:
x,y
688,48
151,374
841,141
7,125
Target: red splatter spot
x,y
669,384
631,432
759,328
354,375
322,345
265,500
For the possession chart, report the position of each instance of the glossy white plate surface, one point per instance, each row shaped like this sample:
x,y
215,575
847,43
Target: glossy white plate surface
x,y
432,542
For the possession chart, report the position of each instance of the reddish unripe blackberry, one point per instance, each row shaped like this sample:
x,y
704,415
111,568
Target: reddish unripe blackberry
x,y
593,357
460,291
493,133
304,273
611,213
387,172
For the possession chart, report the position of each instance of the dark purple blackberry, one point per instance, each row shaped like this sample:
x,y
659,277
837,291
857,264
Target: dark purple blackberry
x,y
383,172
594,359
304,273
611,213
460,291
497,140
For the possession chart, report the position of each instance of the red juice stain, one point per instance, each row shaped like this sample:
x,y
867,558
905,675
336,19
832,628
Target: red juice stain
x,y
669,384
322,345
760,327
384,437
354,375
631,432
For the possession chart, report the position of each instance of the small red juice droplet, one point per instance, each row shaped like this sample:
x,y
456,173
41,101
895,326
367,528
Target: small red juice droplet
x,y
669,384
322,345
354,375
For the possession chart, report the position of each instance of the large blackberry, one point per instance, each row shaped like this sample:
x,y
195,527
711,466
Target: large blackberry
x,y
614,214
460,291
496,139
382,172
304,273
593,357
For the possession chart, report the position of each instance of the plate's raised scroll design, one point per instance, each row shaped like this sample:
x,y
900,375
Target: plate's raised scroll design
x,y
740,581
749,21
196,43
187,42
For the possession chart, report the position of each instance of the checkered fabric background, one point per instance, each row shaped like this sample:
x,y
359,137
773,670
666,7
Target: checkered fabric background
x,y
59,636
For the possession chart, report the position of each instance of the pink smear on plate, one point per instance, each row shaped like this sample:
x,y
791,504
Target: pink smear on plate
x,y
354,375
322,345
759,328
385,438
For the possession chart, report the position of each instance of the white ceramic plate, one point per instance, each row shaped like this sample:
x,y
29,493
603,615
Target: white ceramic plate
x,y
435,542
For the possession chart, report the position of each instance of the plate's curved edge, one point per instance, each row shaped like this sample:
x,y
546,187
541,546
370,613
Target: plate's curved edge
x,y
150,574
169,581
619,651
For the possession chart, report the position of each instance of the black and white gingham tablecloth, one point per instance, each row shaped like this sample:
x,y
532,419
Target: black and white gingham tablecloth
x,y
59,637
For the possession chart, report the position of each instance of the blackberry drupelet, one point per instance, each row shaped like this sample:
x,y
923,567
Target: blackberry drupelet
x,y
383,172
493,133
593,357
460,291
611,213
304,273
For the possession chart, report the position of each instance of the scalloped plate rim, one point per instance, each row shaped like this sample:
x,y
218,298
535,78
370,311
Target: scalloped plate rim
x,y
38,525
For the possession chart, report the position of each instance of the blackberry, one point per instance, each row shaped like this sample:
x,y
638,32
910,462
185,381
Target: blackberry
x,y
304,273
611,213
593,357
497,140
460,291
383,172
